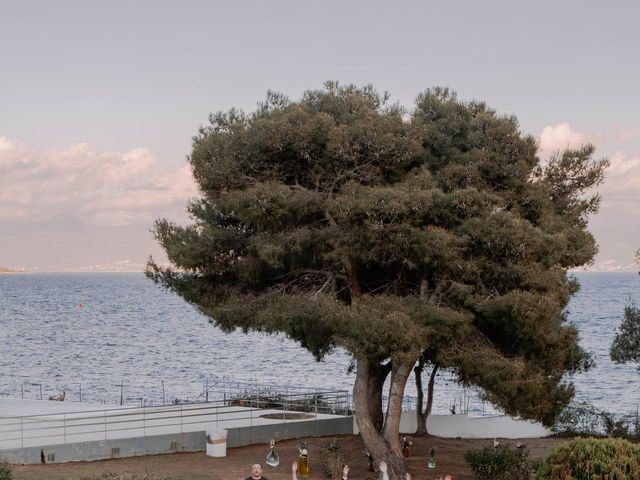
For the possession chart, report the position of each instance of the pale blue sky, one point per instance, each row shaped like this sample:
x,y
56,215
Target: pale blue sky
x,y
116,89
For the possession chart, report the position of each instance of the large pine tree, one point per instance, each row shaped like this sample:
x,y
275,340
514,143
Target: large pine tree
x,y
341,220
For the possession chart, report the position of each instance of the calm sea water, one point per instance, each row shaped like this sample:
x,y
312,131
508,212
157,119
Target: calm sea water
x,y
89,333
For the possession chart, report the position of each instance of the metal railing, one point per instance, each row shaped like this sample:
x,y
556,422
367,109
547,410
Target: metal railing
x,y
154,393
80,426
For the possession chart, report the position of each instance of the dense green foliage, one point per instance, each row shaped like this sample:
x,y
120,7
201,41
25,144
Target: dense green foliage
x,y
592,459
626,345
339,220
499,463
6,473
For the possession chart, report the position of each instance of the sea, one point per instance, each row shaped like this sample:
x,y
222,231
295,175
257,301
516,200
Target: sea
x,y
116,338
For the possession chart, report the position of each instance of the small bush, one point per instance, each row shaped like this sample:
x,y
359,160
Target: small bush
x,y
618,428
584,419
499,463
5,471
579,418
331,458
592,459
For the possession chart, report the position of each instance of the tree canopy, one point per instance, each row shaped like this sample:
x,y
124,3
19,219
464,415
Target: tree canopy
x,y
342,220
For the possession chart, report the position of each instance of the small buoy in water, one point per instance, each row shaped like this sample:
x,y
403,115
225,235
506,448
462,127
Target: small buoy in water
x,y
81,305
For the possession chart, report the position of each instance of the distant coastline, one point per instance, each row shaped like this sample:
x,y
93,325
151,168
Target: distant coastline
x,y
7,271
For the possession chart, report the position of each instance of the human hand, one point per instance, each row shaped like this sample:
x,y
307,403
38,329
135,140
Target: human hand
x,y
345,471
294,466
407,476
383,466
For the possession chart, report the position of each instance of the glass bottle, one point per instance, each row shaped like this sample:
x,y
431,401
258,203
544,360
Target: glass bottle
x,y
303,461
432,458
273,460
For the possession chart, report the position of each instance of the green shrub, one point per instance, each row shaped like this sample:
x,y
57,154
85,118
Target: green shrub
x,y
584,419
331,458
5,471
619,427
579,418
498,463
592,459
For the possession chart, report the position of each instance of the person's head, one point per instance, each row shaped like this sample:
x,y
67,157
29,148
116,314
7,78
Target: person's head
x,y
256,470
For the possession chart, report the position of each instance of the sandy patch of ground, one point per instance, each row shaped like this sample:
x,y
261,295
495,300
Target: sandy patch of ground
x,y
197,466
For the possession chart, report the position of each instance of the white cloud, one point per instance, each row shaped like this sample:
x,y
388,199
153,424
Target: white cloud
x,y
5,144
629,135
622,164
621,187
617,224
102,187
622,179
557,138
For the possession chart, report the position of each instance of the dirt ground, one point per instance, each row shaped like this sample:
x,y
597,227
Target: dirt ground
x,y
197,466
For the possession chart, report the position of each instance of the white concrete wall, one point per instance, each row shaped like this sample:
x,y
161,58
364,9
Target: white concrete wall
x,y
463,426
63,427
177,442
103,449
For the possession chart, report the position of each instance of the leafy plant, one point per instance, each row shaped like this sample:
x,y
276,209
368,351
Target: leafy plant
x,y
499,463
6,473
593,459
579,418
626,346
616,427
332,459
583,419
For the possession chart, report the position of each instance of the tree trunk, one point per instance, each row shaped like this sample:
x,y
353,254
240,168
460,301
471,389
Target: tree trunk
x,y
421,419
422,416
375,384
427,411
400,372
383,445
372,437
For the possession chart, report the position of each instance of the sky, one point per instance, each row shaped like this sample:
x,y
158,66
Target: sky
x,y
99,101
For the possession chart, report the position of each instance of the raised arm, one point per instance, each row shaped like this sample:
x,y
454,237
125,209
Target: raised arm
x,y
345,472
383,470
294,470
